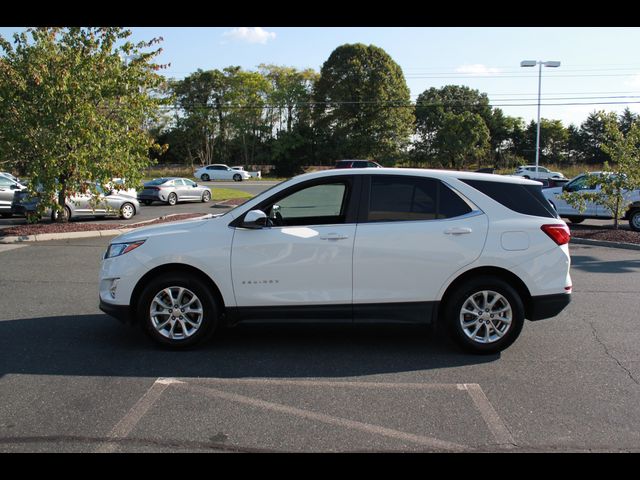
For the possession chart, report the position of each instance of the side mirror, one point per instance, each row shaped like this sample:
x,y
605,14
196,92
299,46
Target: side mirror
x,y
195,185
255,219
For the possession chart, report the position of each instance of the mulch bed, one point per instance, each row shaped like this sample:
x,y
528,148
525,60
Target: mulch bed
x,y
84,226
607,234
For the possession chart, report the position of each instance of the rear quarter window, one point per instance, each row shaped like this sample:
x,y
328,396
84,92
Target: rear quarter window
x,y
525,199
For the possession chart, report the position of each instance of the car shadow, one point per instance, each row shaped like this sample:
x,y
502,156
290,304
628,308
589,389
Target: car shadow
x,y
96,345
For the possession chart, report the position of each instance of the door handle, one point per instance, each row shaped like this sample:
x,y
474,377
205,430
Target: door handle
x,y
333,236
458,231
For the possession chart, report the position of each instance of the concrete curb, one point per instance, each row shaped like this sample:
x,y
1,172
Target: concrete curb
x,y
43,237
604,243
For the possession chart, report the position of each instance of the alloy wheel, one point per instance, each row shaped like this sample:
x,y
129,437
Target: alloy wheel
x,y
176,313
486,317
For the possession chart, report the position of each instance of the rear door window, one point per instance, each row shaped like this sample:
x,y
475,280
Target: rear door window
x,y
403,198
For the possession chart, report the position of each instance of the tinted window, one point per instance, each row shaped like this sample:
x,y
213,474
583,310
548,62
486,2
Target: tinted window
x,y
525,199
395,198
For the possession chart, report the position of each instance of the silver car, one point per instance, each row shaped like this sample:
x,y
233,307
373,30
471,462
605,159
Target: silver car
x,y
8,188
171,190
106,203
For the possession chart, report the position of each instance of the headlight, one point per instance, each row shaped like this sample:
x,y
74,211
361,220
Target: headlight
x,y
117,249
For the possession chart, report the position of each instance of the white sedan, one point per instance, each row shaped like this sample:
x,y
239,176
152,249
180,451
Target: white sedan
x,y
529,171
220,172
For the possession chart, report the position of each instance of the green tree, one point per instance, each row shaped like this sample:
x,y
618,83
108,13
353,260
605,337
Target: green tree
x,y
75,105
452,127
592,136
363,107
617,180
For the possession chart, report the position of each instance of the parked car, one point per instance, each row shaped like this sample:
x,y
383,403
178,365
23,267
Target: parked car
x,y
120,186
220,172
477,252
10,177
171,190
529,171
552,182
8,189
631,206
257,174
356,164
105,203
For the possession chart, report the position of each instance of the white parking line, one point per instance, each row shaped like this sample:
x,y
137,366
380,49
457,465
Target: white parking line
x,y
131,419
429,442
490,416
495,425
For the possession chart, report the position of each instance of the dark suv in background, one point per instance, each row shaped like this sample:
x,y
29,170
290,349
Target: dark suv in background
x,y
357,164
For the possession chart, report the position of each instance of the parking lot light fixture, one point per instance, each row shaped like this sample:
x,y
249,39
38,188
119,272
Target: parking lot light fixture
x,y
533,63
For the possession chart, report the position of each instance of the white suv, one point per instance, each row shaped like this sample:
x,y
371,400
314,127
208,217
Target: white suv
x,y
477,252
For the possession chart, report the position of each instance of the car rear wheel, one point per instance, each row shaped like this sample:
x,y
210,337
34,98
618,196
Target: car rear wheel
x,y
205,177
206,196
127,211
147,202
634,219
177,311
484,315
172,199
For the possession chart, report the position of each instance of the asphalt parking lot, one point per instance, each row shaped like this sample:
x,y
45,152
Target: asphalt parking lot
x,y
74,380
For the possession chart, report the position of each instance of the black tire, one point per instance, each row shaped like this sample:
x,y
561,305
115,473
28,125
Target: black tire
x,y
172,199
493,339
575,219
237,177
634,219
67,213
127,211
206,196
205,178
178,333
147,202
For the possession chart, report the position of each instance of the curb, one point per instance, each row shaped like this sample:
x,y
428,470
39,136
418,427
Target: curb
x,y
604,243
43,237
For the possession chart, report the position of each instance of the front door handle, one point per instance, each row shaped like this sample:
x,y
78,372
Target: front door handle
x,y
333,236
458,231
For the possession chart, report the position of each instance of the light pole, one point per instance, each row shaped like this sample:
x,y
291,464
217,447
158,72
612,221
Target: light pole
x,y
533,63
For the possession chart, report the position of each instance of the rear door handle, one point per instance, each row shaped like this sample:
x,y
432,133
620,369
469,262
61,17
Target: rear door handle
x,y
458,231
333,236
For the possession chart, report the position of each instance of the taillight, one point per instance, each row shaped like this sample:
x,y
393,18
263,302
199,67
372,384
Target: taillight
x,y
558,233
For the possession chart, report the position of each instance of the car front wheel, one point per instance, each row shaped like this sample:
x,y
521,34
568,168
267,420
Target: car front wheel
x,y
206,196
205,178
237,177
172,199
484,315
177,311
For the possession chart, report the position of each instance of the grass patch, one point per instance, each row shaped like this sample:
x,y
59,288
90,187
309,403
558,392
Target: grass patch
x,y
219,194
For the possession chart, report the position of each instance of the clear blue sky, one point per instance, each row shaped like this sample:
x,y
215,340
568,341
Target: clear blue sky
x,y
599,65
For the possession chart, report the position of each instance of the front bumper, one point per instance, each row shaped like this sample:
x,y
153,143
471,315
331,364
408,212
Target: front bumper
x,y
119,312
547,306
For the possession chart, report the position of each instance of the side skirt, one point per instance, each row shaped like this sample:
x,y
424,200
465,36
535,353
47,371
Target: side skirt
x,y
370,313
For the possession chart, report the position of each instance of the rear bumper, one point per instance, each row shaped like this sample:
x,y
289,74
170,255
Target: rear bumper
x,y
547,306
